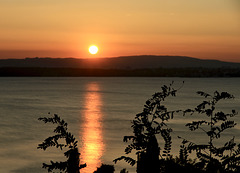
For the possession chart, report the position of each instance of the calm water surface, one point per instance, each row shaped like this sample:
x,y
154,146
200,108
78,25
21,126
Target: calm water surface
x,y
98,112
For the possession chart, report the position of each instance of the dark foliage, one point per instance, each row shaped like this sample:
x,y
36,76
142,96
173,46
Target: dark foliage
x,y
151,123
124,171
72,154
212,158
150,131
147,127
172,165
105,169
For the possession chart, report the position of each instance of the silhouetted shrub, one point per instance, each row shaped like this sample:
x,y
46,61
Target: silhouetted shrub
x,y
212,158
105,169
72,154
147,126
150,130
151,123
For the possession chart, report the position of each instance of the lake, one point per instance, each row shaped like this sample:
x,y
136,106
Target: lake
x,y
99,113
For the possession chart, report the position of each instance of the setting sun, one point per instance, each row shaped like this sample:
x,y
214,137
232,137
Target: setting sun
x,y
93,49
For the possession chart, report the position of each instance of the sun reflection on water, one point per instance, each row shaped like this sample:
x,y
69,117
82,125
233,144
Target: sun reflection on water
x,y
92,138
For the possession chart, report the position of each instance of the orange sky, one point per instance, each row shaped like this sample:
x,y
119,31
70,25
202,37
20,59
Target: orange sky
x,y
208,29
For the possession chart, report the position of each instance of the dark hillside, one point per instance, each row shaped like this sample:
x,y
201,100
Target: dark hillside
x,y
127,62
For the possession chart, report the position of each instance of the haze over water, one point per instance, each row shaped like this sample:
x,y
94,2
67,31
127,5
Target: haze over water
x,y
98,112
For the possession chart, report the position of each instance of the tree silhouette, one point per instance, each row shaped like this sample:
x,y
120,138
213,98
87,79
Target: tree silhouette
x,y
212,158
72,154
147,126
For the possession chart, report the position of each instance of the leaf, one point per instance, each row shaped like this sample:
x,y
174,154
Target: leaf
x,y
188,111
220,116
62,166
200,108
201,93
227,124
226,95
204,157
82,166
128,138
195,125
129,160
234,111
129,148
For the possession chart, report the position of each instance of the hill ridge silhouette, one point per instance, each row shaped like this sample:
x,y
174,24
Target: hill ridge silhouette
x,y
121,62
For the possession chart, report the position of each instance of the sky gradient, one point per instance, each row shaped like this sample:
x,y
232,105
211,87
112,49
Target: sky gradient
x,y
208,29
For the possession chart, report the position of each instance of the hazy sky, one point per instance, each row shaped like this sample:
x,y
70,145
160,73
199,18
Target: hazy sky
x,y
208,29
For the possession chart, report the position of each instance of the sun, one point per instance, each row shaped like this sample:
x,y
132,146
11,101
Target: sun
x,y
93,49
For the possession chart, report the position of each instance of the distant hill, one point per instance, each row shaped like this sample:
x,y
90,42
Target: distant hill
x,y
124,62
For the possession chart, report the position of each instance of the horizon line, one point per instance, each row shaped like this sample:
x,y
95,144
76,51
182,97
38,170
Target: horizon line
x,y
122,56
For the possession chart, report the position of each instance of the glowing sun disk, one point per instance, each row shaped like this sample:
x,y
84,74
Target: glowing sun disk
x,y
93,49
